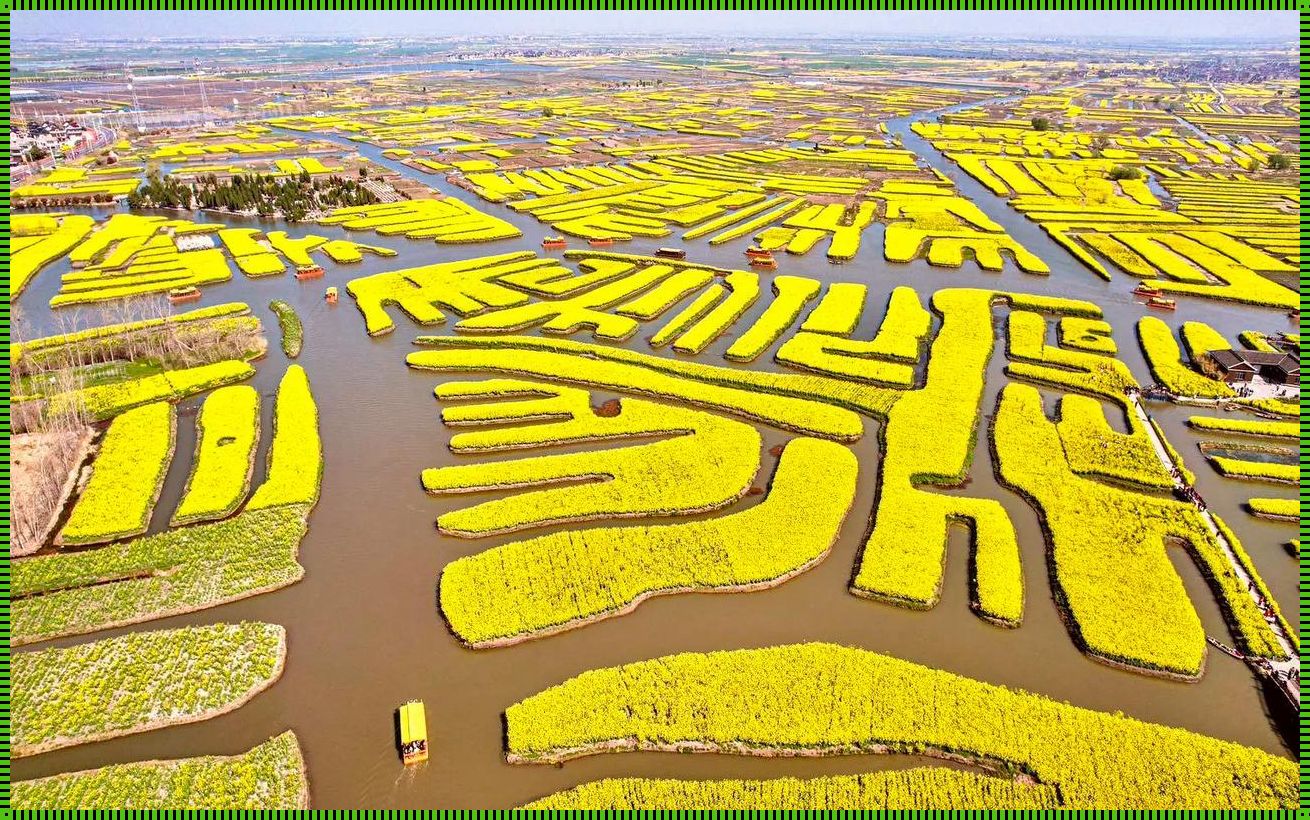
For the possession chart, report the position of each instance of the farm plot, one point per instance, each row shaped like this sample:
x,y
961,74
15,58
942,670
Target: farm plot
x,y
825,699
189,568
269,776
1227,236
825,367
64,697
130,256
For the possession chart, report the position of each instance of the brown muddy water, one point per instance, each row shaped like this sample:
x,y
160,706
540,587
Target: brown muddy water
x,y
364,630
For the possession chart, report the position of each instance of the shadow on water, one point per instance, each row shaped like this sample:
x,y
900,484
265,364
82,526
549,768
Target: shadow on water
x,y
1284,715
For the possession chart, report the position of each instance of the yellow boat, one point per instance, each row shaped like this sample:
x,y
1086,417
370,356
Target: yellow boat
x,y
413,732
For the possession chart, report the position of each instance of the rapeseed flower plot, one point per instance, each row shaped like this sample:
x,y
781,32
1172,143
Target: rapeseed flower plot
x,y
555,582
126,477
225,455
825,699
1099,534
708,463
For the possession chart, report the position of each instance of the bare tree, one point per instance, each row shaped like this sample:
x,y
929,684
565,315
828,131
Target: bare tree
x,y
50,440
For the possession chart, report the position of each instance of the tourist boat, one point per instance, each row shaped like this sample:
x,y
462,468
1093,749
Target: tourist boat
x,y
1146,290
1160,303
304,272
188,293
756,250
331,295
413,732
671,253
600,243
554,242
766,262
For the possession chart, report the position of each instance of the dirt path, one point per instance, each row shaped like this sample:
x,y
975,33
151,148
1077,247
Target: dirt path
x,y
1293,666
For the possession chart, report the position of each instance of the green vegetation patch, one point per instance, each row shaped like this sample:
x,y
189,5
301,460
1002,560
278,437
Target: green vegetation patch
x,y
176,571
269,776
138,682
292,331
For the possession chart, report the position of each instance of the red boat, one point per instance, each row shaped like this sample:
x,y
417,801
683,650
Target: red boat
x,y
308,272
1160,303
756,250
554,242
766,262
600,243
190,293
1146,290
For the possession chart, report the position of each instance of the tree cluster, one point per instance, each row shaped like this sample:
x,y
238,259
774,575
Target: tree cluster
x,y
293,197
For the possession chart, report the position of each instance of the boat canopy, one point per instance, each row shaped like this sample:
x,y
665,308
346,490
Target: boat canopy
x,y
413,722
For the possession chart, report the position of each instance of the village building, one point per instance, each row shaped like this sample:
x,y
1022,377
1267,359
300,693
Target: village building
x,y
1248,365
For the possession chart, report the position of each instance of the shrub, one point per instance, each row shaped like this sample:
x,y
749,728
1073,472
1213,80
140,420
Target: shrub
x,y
1093,448
1175,458
1256,470
928,440
1108,545
1164,358
466,287
1090,335
900,337
447,220
1289,508
791,295
176,571
1200,339
706,462
106,401
1278,429
732,390
743,290
26,262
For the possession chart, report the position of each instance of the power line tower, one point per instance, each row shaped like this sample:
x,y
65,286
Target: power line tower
x,y
204,98
136,104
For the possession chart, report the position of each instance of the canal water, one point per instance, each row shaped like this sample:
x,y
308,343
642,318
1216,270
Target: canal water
x,y
365,634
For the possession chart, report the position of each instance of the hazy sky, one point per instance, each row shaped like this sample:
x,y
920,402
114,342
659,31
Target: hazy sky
x,y
288,25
